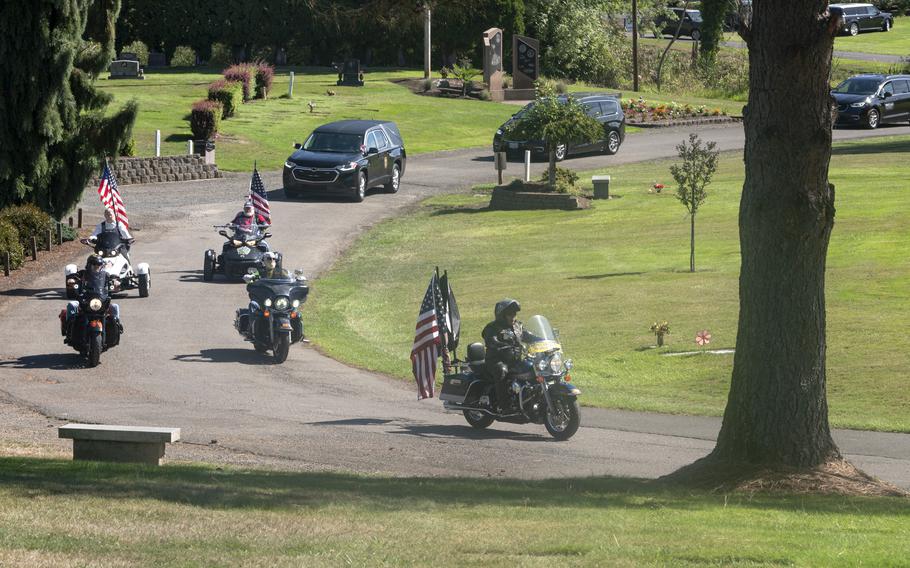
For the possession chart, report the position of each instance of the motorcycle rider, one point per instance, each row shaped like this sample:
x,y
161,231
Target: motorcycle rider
x,y
270,267
503,337
93,273
248,221
112,225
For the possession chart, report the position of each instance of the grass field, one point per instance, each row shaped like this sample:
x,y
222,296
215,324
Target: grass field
x,y
895,42
604,275
62,513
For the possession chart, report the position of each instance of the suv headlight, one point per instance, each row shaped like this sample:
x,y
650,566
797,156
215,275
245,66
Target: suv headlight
x,y
499,131
860,104
290,165
556,363
347,167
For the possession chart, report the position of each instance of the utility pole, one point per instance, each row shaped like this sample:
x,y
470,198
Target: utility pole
x,y
427,16
635,45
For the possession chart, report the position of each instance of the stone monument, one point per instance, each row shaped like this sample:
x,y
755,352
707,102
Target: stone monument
x,y
351,75
525,68
157,59
125,69
492,62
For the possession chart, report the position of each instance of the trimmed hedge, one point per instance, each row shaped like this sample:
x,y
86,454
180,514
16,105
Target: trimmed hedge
x,y
9,242
184,56
243,73
205,119
264,75
29,221
228,93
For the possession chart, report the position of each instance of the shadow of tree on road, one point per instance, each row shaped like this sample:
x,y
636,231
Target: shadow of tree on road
x,y
51,361
37,293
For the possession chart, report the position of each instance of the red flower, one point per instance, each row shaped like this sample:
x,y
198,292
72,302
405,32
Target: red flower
x,y
703,337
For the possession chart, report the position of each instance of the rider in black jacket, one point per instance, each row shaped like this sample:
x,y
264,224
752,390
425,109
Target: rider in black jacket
x,y
502,337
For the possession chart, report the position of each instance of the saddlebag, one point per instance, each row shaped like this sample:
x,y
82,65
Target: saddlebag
x,y
455,387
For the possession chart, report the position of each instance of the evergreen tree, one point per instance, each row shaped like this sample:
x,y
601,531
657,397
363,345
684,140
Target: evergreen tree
x,y
54,128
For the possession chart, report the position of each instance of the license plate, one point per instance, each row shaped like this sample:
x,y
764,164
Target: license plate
x,y
513,145
243,251
285,325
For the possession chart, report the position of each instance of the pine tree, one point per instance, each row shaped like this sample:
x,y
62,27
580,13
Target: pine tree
x,y
54,127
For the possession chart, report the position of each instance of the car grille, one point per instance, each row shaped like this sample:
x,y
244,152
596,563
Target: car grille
x,y
315,175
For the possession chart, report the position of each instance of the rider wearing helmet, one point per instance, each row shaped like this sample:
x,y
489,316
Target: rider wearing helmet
x,y
502,337
91,277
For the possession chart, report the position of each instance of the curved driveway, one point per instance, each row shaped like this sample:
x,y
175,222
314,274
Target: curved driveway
x,y
182,364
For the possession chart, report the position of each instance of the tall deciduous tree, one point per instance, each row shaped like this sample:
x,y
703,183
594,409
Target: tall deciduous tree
x,y
54,128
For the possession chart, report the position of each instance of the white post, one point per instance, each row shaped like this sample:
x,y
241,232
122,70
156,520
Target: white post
x,y
189,147
291,87
527,166
426,40
157,143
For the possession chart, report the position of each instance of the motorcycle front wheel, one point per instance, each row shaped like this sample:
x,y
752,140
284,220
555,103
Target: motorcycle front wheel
x,y
94,351
282,346
477,419
563,423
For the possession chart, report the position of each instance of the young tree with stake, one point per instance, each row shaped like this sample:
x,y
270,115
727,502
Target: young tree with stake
x,y
692,177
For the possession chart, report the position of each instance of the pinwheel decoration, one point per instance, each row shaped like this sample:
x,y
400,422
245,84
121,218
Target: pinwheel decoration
x,y
703,337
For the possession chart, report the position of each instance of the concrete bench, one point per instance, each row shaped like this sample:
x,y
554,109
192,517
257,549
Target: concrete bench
x,y
103,442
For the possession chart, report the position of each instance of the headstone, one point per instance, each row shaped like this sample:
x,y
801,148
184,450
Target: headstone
x,y
525,62
492,62
281,57
157,59
351,75
125,69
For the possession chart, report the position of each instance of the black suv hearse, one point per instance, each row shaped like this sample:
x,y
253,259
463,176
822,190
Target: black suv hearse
x,y
347,157
870,100
857,18
604,108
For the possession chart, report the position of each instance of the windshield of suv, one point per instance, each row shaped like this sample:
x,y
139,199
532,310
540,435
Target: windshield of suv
x,y
694,15
333,142
858,86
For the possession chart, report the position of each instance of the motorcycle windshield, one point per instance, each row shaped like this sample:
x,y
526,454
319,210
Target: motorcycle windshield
x,y
539,335
107,241
95,283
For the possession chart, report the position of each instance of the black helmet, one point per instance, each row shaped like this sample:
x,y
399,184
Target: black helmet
x,y
506,305
94,260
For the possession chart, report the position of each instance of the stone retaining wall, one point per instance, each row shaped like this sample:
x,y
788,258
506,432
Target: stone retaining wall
x,y
161,169
513,200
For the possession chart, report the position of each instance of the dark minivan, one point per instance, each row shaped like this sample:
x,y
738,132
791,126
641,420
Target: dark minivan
x,y
347,157
857,18
870,100
604,108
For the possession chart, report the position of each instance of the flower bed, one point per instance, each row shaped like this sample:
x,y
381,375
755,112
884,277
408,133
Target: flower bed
x,y
641,112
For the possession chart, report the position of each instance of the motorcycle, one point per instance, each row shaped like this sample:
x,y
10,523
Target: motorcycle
x,y
540,386
272,320
90,324
112,248
242,251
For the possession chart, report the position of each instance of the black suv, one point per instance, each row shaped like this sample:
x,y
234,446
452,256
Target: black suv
x,y
691,23
857,18
347,157
604,108
870,100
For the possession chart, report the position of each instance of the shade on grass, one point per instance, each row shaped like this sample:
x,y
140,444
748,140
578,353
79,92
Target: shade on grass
x,y
604,275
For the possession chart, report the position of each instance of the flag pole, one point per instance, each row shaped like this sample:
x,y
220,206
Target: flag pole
x,y
444,341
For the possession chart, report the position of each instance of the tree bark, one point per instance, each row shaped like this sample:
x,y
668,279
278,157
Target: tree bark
x,y
551,170
692,243
777,411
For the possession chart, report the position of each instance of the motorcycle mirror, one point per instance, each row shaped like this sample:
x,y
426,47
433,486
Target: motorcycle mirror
x,y
223,233
296,145
267,235
247,278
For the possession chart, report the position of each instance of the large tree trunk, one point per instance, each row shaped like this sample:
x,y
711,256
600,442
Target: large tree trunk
x,y
777,412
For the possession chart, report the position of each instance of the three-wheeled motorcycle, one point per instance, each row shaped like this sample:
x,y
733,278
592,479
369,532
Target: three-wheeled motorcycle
x,y
112,249
242,251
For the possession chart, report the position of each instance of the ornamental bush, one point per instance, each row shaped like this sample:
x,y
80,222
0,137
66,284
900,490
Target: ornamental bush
x,y
228,93
565,180
205,119
244,73
9,243
183,57
264,75
140,49
30,221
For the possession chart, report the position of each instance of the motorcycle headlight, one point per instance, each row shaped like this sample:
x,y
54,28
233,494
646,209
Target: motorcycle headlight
x,y
296,303
542,364
251,243
289,165
112,253
556,363
281,303
569,364
236,242
95,305
268,302
347,167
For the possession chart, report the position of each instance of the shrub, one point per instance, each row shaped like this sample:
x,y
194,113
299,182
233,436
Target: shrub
x,y
243,73
9,243
506,81
30,221
69,233
562,87
183,57
140,49
129,147
205,119
565,180
228,93
427,85
484,95
264,75
221,55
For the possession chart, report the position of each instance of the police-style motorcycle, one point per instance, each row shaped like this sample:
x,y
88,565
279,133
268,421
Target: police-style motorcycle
x,y
243,250
112,249
272,320
542,393
91,323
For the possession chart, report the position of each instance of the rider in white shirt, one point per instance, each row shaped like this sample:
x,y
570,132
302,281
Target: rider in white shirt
x,y
111,224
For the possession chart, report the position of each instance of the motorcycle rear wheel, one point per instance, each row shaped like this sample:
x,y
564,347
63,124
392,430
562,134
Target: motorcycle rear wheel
x,y
282,347
93,357
565,424
477,419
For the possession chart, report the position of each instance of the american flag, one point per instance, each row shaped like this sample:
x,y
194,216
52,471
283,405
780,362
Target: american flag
x,y
258,196
425,350
110,196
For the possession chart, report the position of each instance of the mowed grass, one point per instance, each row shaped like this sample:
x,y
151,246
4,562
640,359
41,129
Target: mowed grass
x,y
266,130
894,42
61,513
604,275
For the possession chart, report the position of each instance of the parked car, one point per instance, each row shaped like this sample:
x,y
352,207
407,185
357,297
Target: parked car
x,y
691,23
347,157
857,18
604,108
870,100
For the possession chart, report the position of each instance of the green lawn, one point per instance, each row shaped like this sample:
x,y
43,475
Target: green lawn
x,y
605,274
62,513
266,130
895,42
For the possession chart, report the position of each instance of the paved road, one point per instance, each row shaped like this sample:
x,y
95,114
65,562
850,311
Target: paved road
x,y
182,364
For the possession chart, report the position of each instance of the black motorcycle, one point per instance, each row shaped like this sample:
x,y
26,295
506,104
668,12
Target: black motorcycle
x,y
89,325
540,387
272,320
241,252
